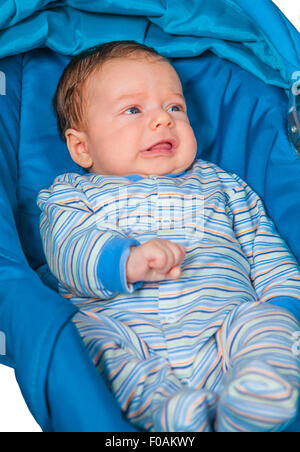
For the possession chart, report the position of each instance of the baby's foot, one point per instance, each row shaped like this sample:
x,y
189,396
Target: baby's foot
x,y
190,410
256,398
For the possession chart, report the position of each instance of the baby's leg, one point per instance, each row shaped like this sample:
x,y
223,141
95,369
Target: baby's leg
x,y
149,393
261,385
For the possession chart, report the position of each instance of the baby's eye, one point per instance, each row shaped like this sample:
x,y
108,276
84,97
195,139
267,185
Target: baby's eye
x,y
132,110
179,108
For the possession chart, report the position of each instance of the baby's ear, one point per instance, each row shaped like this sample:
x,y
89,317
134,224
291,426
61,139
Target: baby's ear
x,y
77,145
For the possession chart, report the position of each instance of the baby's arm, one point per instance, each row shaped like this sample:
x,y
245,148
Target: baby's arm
x,y
274,271
86,257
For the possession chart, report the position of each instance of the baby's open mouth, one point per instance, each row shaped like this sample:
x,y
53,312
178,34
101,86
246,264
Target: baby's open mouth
x,y
163,147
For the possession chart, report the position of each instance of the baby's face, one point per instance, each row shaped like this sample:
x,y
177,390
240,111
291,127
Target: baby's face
x,y
137,121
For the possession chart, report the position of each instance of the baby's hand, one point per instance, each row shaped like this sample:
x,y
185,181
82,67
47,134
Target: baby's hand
x,y
155,260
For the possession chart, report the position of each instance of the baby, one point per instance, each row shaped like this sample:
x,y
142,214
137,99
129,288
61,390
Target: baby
x,y
184,288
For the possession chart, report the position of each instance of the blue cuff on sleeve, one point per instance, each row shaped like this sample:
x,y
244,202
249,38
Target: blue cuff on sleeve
x,y
112,265
291,304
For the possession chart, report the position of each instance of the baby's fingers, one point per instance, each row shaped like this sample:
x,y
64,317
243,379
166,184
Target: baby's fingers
x,y
177,253
167,260
174,273
162,259
180,253
167,255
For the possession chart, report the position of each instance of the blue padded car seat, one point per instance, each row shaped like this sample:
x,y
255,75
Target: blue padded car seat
x,y
239,64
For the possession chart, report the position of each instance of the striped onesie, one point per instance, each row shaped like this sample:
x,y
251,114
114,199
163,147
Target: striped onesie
x,y
212,350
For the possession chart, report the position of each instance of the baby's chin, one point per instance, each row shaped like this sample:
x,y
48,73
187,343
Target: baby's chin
x,y
162,169
158,167
161,173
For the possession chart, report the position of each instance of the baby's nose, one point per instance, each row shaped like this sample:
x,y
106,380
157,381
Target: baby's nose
x,y
162,118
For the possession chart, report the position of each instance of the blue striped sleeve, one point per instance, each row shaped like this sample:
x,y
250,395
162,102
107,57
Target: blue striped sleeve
x,y
274,271
87,258
112,265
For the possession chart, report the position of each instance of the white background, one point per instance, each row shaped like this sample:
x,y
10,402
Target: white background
x,y
14,415
291,8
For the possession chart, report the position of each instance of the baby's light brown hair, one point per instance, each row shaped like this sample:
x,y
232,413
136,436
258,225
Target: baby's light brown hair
x,y
68,101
